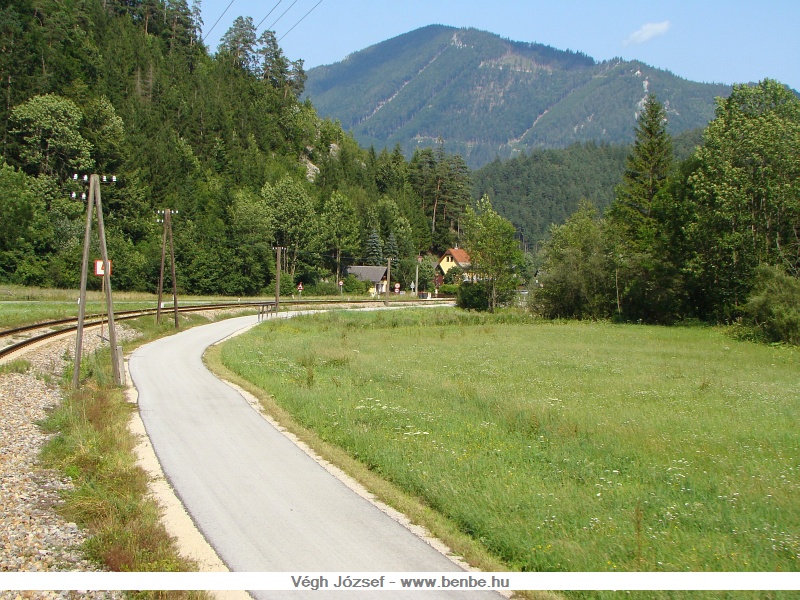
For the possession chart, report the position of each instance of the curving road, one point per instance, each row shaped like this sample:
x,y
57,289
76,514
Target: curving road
x,y
260,501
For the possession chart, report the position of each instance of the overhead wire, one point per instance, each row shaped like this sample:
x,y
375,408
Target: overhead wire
x,y
269,13
271,27
217,21
301,20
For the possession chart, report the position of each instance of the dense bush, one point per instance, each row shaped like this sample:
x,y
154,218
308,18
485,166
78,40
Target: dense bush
x,y
352,285
287,286
576,282
323,288
774,305
473,296
454,276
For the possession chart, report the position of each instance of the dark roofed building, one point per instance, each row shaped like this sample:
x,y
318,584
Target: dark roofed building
x,y
371,274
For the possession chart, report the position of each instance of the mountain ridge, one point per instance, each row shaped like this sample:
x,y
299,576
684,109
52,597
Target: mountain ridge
x,y
484,96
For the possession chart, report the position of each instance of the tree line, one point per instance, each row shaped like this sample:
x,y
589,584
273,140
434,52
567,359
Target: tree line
x,y
715,237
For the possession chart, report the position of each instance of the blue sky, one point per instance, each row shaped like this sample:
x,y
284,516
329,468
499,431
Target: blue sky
x,y
702,40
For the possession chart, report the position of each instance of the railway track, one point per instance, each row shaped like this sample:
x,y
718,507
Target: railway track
x,y
55,328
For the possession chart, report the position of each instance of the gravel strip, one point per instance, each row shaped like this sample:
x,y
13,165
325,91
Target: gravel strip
x,y
33,537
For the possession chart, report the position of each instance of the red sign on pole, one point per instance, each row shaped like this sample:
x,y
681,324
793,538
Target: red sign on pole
x,y
99,270
300,287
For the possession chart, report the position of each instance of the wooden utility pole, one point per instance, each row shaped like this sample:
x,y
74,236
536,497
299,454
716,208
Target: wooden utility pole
x,y
116,352
388,279
277,279
167,229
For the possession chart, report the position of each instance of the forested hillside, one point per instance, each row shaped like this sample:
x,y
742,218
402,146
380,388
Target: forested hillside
x,y
488,97
127,88
545,187
701,225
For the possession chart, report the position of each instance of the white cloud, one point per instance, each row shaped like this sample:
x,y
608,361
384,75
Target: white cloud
x,y
647,32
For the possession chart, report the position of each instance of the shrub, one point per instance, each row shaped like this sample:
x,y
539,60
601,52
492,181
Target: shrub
x,y
322,288
287,286
455,275
774,305
473,296
353,285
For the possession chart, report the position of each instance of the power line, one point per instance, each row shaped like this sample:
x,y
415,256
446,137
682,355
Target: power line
x,y
269,13
272,27
217,21
301,20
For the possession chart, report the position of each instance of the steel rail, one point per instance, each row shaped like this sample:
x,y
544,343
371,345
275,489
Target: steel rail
x,y
94,320
97,319
140,311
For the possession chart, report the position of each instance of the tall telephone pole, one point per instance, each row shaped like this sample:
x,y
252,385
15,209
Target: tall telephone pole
x,y
277,278
388,280
167,229
116,351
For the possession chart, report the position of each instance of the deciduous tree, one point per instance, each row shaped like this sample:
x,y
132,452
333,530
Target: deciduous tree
x,y
494,253
296,223
746,191
339,229
49,128
576,282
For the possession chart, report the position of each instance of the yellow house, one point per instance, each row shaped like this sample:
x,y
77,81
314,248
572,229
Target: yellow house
x,y
454,257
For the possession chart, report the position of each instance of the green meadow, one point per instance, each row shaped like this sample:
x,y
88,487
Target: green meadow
x,y
556,446
26,305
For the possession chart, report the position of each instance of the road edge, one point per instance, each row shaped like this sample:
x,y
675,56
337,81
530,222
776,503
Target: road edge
x,y
190,541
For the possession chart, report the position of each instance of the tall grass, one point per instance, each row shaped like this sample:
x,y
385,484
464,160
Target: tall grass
x,y
92,444
560,446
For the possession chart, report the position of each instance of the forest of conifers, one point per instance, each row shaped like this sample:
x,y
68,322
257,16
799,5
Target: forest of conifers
x,y
127,88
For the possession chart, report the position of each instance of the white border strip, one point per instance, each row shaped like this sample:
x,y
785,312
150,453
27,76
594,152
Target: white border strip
x,y
420,581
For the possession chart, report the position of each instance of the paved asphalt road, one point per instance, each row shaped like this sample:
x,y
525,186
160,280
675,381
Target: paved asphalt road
x,y
260,501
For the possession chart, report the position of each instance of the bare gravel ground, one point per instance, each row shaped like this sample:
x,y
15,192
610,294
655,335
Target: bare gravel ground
x,y
33,537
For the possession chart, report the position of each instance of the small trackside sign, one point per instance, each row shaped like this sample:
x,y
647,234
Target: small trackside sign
x,y
99,270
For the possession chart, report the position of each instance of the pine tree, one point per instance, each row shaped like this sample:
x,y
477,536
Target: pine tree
x,y
374,252
644,278
239,42
391,251
646,171
197,20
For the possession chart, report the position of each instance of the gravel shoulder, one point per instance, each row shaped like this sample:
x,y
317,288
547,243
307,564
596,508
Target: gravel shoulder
x,y
33,537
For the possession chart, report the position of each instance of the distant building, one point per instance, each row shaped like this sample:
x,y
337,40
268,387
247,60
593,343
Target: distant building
x,y
374,275
453,257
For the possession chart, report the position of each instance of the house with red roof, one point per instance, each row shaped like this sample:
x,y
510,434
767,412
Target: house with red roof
x,y
453,257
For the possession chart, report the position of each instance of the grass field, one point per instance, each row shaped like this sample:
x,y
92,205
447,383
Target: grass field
x,y
559,446
24,305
